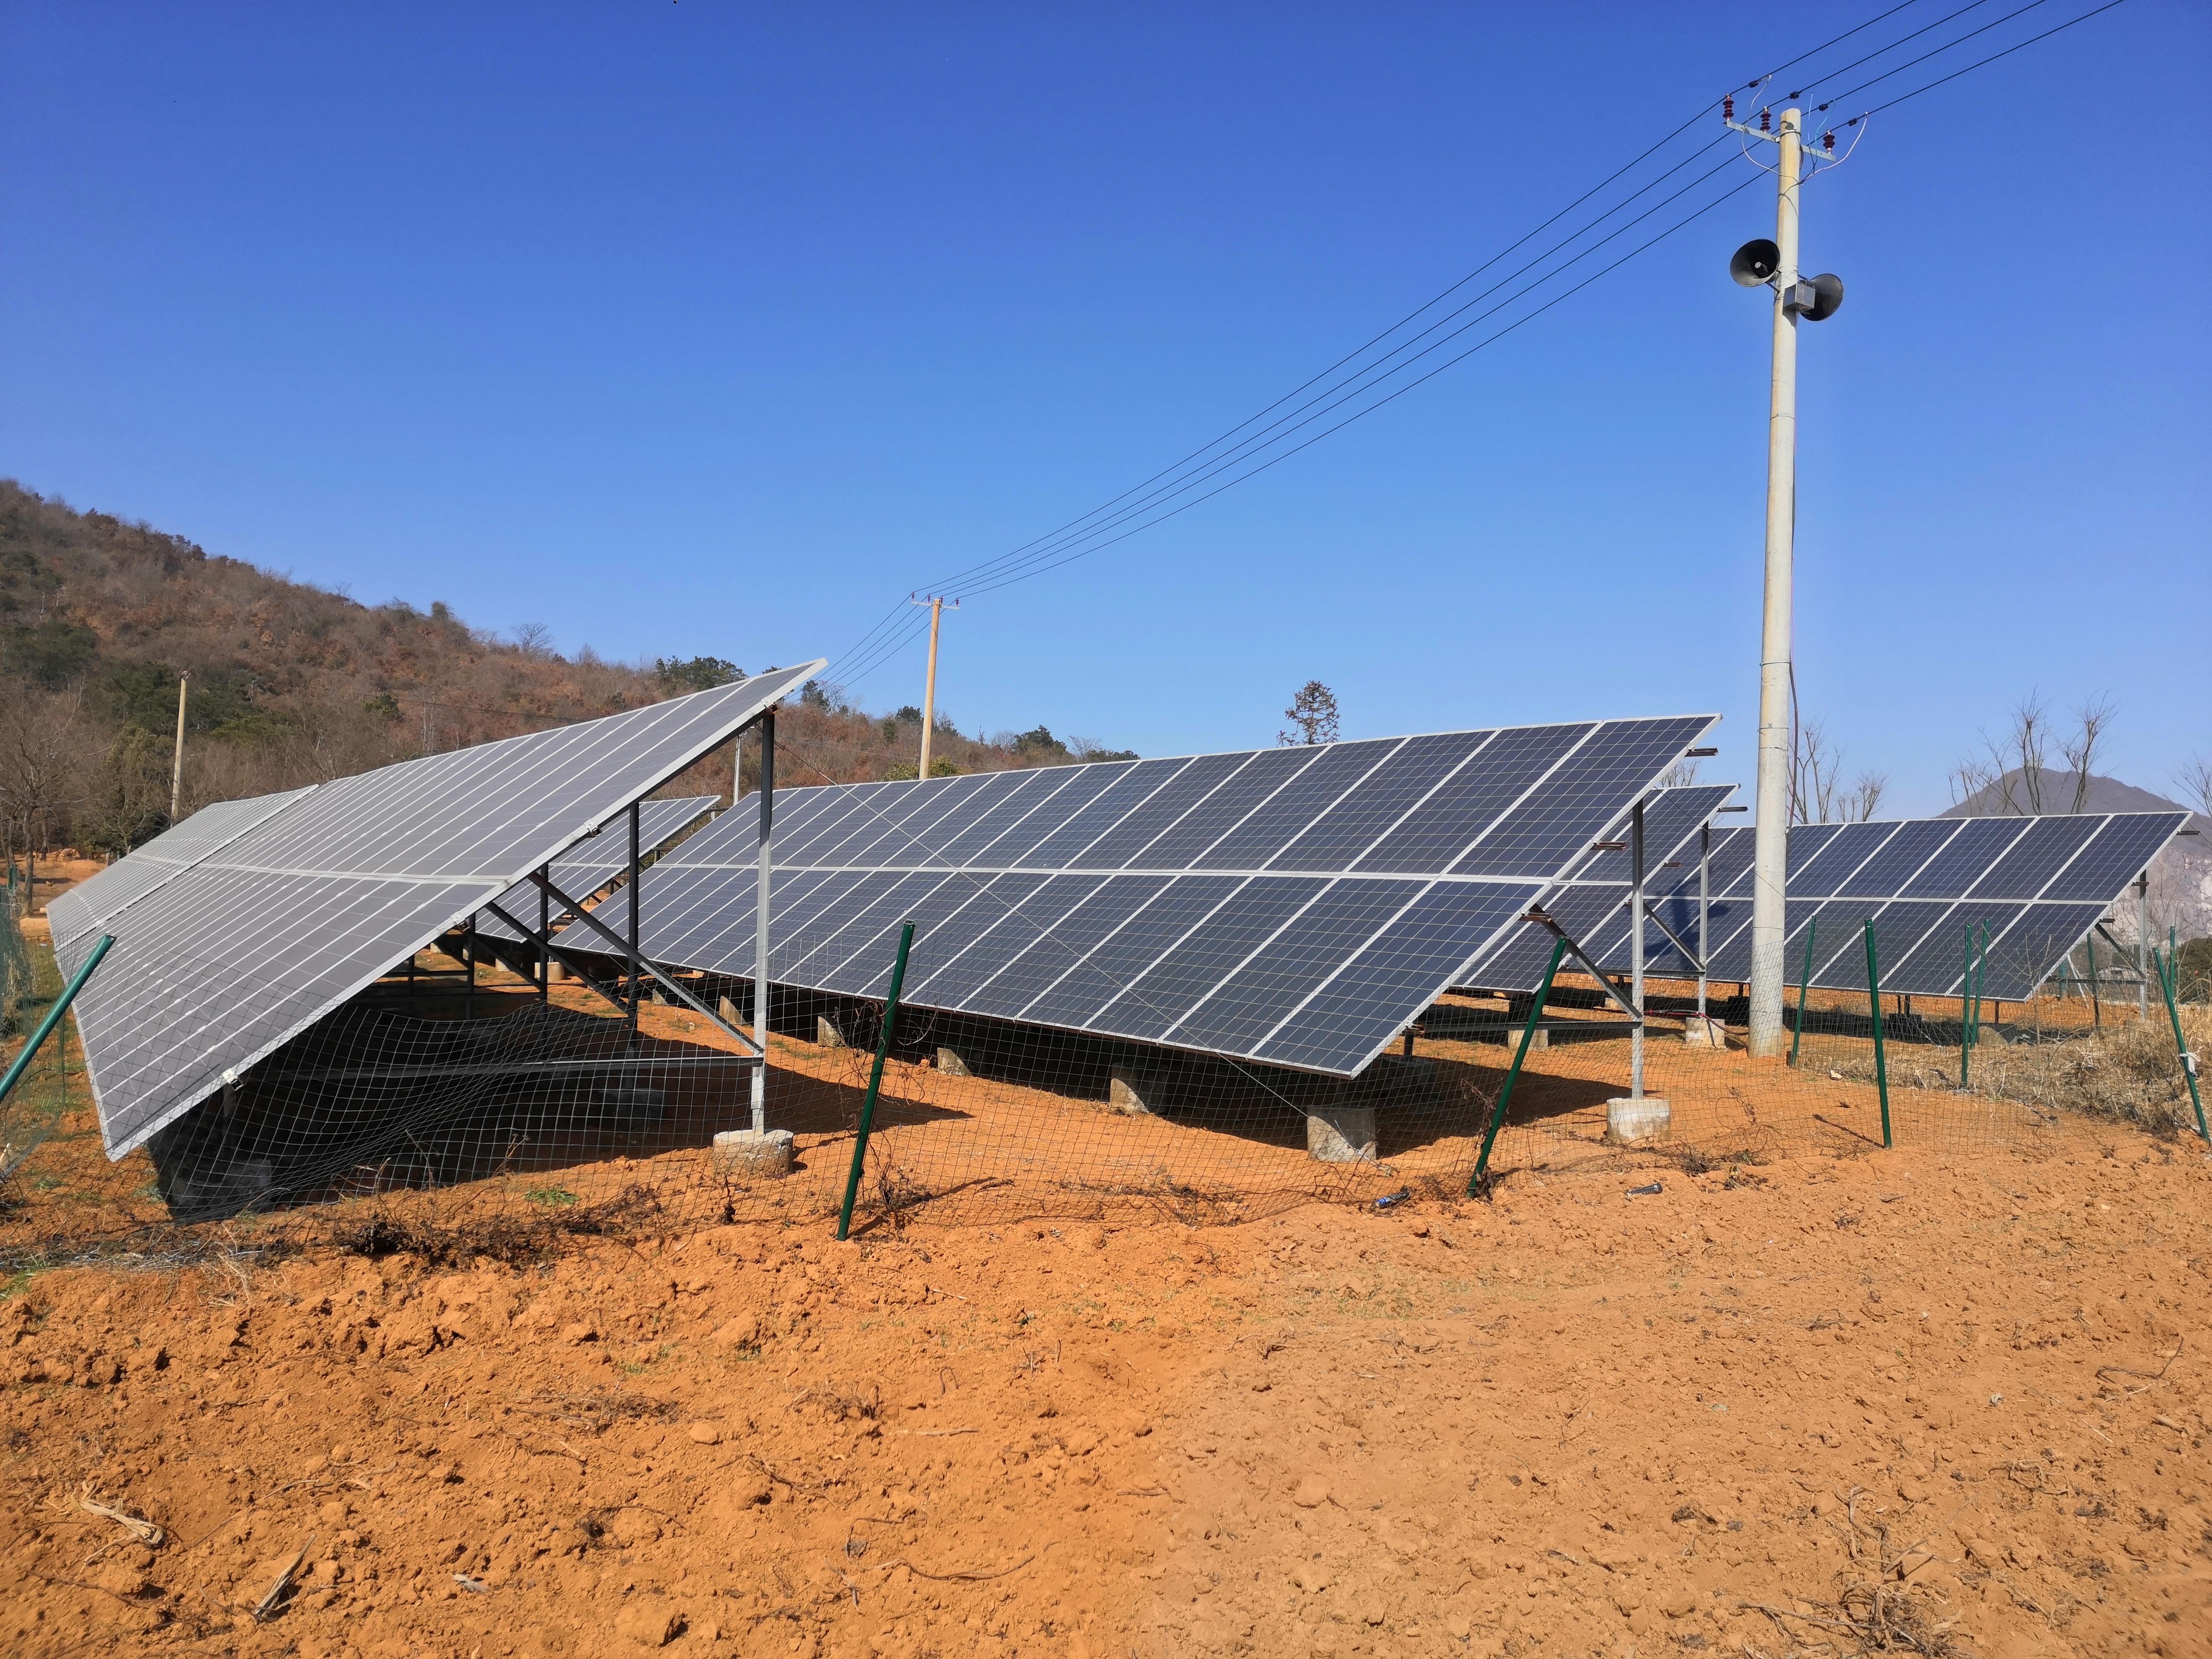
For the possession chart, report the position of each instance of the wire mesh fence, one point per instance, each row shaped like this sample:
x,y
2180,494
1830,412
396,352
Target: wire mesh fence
x,y
462,1108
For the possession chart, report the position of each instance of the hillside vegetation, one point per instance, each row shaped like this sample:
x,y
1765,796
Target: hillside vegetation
x,y
292,685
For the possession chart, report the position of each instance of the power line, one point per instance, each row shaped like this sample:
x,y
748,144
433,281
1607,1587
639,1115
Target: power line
x,y
1087,532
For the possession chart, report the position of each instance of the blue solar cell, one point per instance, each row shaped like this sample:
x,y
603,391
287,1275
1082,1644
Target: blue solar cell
x,y
1249,1002
1476,797
1123,955
1050,958
1231,804
1125,844
1903,854
1159,996
1964,858
1347,825
949,974
2118,853
1580,799
1067,847
1390,981
2030,863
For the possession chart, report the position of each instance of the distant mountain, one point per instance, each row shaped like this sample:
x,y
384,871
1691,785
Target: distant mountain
x,y
2011,797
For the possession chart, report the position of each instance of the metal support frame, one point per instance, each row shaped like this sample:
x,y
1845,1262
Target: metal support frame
x,y
1478,1184
761,919
644,963
1637,906
630,943
469,959
544,931
2142,945
1651,915
1542,919
1704,868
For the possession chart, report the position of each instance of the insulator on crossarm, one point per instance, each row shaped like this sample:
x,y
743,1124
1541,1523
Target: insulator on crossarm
x,y
1828,142
1728,107
1762,116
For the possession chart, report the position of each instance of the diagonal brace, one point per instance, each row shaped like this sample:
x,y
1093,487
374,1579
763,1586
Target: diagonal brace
x,y
561,951
1673,938
622,945
1543,921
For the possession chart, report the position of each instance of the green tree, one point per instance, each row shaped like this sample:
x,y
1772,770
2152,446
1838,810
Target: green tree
x,y
128,801
1313,712
677,676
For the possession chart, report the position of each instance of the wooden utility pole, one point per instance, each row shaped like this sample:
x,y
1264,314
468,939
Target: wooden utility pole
x,y
936,604
177,766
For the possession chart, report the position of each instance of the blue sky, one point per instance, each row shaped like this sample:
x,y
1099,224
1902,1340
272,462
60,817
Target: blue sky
x,y
695,328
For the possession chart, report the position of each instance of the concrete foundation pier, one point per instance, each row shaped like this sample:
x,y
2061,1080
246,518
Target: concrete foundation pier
x,y
1341,1134
765,1156
1627,1120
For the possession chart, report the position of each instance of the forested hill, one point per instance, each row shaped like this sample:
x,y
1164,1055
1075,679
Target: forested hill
x,y
292,685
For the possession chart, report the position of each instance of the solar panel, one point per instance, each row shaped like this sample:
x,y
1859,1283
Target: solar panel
x,y
2037,884
80,912
223,960
603,858
1295,906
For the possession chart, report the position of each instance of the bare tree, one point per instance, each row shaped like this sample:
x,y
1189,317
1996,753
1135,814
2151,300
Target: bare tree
x,y
1817,793
2194,780
2012,775
1313,712
534,638
42,766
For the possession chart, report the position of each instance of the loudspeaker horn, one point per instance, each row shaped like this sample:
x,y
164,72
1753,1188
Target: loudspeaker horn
x,y
1827,297
1755,263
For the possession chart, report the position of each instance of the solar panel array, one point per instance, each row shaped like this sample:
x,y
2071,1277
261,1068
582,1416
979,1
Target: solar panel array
x,y
2037,884
221,961
601,859
1296,906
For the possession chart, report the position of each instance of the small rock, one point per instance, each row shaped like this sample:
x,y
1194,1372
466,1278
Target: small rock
x,y
581,1330
1312,1492
743,1332
1312,1577
707,1434
648,1623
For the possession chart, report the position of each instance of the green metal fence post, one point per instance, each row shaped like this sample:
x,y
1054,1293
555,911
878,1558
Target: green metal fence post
x,y
60,1006
1804,983
1475,1181
1881,1058
1965,991
2169,978
875,1082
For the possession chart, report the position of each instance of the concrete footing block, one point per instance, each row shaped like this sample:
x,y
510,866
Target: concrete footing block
x,y
1341,1134
764,1155
950,1063
827,1034
1702,1031
1131,1091
1627,1120
556,972
728,1010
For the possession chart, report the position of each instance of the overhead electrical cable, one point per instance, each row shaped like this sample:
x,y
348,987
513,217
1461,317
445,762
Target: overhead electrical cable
x,y
1115,520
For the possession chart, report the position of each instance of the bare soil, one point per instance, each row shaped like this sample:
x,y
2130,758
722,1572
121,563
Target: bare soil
x,y
1821,1404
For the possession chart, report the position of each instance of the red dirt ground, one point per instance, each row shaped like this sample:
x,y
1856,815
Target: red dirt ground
x,y
1724,1417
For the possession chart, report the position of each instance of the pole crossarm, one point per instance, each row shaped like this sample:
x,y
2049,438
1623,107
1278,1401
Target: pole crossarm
x,y
622,945
1538,915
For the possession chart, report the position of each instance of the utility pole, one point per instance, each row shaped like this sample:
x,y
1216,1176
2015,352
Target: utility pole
x,y
936,604
1775,264
177,766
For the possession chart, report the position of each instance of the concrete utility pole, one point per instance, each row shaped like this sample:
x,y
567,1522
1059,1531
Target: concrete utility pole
x,y
1770,923
177,766
936,604
1774,265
